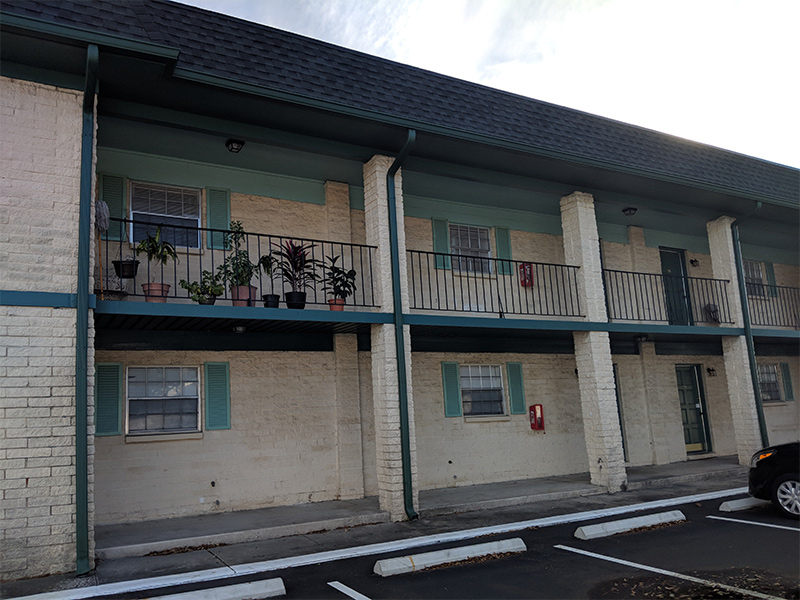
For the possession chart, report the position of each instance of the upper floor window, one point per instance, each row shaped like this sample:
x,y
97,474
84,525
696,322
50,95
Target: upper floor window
x,y
471,243
753,278
175,209
481,390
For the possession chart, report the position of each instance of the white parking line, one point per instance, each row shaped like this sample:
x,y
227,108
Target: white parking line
x,y
347,591
752,523
627,563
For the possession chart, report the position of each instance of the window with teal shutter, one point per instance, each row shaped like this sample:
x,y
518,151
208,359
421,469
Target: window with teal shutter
x,y
516,389
441,242
108,399
218,396
788,392
769,269
112,192
452,389
218,216
502,237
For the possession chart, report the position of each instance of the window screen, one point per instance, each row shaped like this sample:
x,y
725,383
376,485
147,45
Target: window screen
x,y
471,243
481,390
163,399
753,278
175,209
768,383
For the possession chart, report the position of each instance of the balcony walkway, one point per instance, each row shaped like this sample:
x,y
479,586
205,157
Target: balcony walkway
x,y
198,532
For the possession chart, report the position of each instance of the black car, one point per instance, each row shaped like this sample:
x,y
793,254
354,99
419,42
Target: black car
x,y
774,476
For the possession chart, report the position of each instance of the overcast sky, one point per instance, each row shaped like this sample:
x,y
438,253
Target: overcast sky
x,y
722,72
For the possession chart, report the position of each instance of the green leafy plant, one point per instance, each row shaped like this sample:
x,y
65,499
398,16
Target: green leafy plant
x,y
158,250
209,286
338,282
237,268
296,265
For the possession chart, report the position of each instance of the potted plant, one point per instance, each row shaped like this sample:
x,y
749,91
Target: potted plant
x,y
126,268
237,268
207,290
268,264
339,283
158,252
298,270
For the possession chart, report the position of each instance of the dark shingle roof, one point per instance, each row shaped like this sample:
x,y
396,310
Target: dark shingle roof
x,y
224,46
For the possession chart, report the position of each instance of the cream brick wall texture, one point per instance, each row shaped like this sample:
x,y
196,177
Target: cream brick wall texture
x,y
350,465
40,135
723,261
367,424
283,446
743,405
459,451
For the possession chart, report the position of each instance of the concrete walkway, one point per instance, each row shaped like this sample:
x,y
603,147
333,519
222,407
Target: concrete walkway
x,y
188,533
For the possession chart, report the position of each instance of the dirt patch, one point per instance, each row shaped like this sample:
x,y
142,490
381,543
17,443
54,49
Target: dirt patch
x,y
184,549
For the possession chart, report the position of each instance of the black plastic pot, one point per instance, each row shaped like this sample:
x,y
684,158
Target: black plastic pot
x,y
295,299
271,300
126,269
207,300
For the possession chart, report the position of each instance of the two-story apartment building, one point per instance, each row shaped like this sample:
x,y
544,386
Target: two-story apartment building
x,y
529,290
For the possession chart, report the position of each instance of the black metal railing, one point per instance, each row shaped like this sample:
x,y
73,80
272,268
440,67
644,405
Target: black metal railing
x,y
774,305
206,250
672,299
451,282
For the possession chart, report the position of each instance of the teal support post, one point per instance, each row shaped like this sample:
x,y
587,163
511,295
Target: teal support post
x,y
82,562
748,332
405,434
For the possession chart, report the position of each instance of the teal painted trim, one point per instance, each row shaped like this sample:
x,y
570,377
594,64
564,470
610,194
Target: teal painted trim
x,y
773,255
82,563
657,239
791,334
480,216
92,37
378,117
252,313
108,386
45,76
217,380
42,299
617,234
175,171
633,328
357,197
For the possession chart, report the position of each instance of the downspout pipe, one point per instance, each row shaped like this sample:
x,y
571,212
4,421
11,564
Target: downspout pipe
x,y
400,345
748,330
82,562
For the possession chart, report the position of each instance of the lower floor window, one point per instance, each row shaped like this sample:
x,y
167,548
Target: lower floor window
x,y
163,399
768,383
481,390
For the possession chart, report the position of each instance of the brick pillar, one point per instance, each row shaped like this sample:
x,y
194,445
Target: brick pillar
x,y
385,382
348,417
592,348
734,348
337,211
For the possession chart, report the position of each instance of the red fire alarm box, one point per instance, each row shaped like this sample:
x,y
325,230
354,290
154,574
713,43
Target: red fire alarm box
x,y
537,417
526,274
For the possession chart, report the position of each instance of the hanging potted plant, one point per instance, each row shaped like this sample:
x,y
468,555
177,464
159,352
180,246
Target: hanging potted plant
x,y
207,290
237,269
298,269
158,252
126,268
269,266
338,282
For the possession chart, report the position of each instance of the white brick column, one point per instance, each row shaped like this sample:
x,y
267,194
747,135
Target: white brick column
x,y
385,381
348,417
734,348
337,211
592,348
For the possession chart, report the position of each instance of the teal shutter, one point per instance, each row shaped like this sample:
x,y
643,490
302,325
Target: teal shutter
x,y
788,393
772,291
112,192
516,389
452,389
441,242
218,396
108,399
218,216
502,236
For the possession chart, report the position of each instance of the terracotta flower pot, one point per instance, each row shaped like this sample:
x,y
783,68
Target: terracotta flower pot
x,y
244,295
155,292
336,304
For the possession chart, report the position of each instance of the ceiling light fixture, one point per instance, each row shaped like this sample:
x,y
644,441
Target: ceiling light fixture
x,y
234,146
629,211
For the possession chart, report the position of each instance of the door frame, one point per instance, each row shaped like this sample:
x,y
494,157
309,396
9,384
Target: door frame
x,y
701,394
687,297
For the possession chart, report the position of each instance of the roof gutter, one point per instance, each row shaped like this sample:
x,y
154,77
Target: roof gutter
x,y
82,562
748,330
399,338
